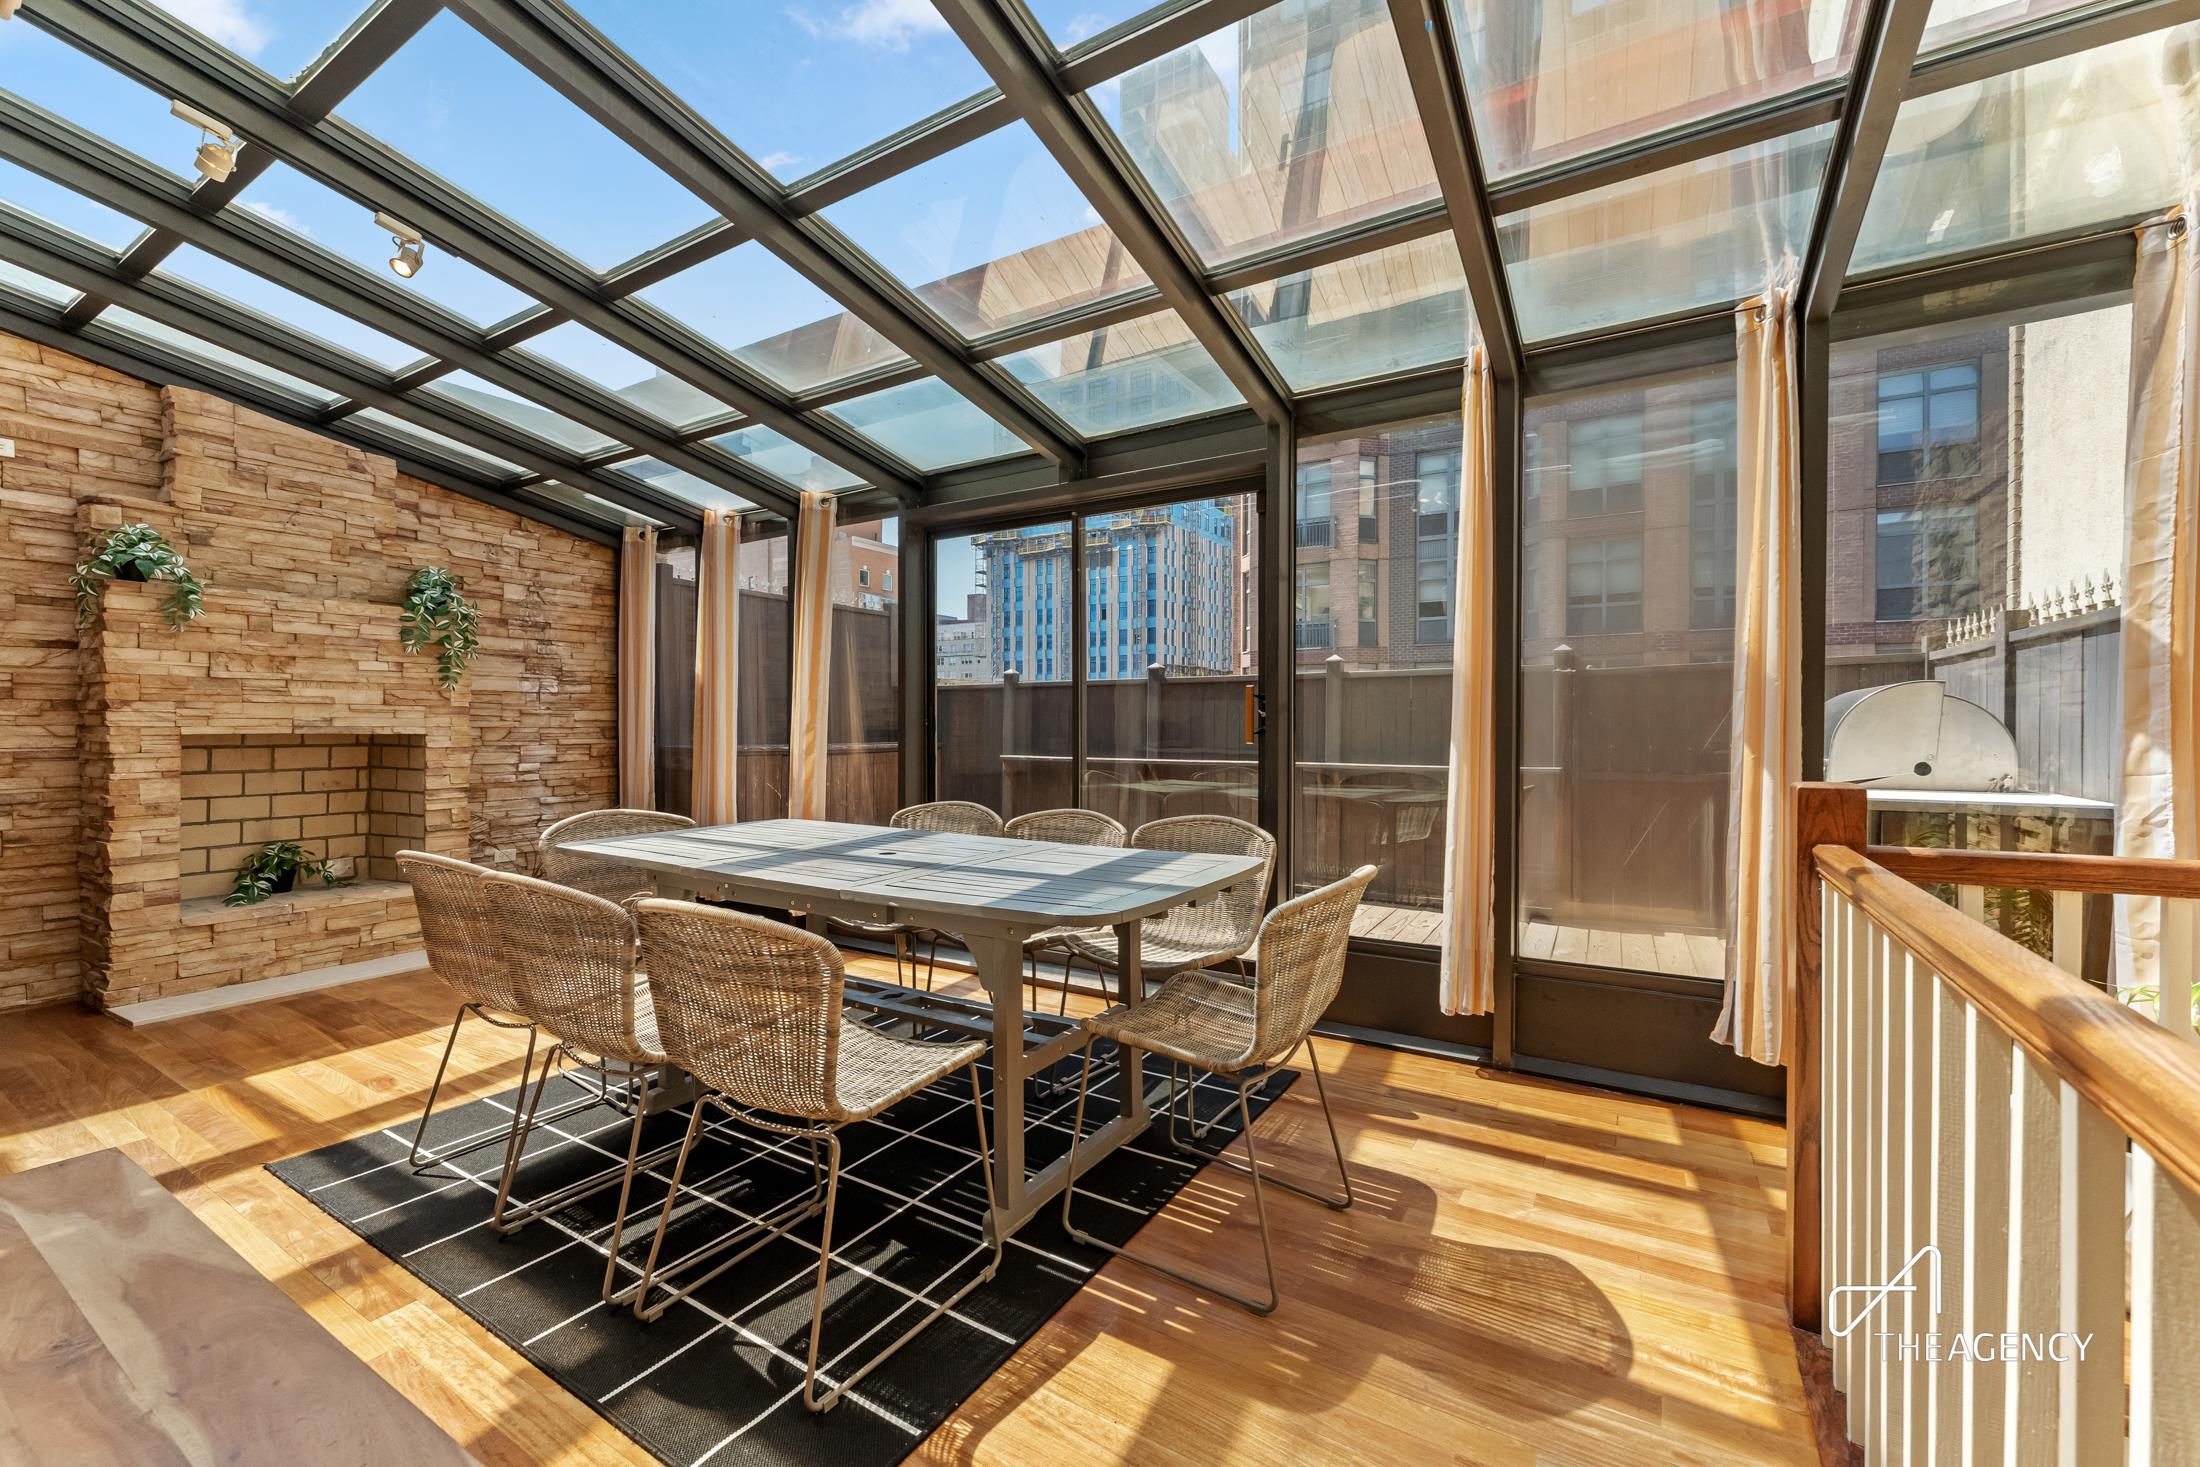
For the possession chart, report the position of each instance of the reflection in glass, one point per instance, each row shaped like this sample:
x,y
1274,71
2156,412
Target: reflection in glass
x,y
437,445
1951,21
927,423
612,367
1170,662
863,721
287,307
1550,82
1002,660
681,484
770,317
1628,559
1706,233
1128,375
797,86
1377,536
784,459
2087,139
1286,125
453,102
1070,23
991,235
1389,311
15,277
529,417
587,503
130,323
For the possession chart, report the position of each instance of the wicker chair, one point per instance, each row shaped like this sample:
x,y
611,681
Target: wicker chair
x,y
1241,1033
1073,828
614,881
573,958
1220,929
953,817
752,1009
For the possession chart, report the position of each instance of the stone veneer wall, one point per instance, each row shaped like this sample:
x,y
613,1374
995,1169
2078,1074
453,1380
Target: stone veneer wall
x,y
305,545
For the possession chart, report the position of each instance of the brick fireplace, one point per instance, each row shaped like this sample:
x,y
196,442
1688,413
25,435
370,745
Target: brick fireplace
x,y
340,796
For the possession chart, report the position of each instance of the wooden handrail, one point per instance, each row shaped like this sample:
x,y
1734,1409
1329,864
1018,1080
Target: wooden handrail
x,y
2040,871
2131,1069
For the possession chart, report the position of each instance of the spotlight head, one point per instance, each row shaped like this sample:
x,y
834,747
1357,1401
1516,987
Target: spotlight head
x,y
411,248
215,160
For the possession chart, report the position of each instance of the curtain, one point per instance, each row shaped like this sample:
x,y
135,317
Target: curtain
x,y
638,668
813,656
717,659
1468,939
1767,717
2157,815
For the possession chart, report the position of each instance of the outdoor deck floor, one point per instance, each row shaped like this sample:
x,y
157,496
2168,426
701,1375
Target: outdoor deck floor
x,y
1682,954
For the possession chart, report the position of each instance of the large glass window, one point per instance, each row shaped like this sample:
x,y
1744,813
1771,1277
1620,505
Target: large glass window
x,y
1625,681
761,678
1436,543
863,727
1002,664
1928,423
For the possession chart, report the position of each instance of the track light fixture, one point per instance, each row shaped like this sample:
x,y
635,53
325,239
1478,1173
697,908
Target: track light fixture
x,y
218,144
411,248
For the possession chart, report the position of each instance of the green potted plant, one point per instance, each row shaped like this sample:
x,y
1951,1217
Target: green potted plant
x,y
137,553
276,867
437,614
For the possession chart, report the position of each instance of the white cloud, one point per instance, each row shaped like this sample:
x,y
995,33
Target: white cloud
x,y
889,24
777,162
221,20
274,215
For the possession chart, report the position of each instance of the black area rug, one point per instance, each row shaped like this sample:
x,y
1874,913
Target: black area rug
x,y
718,1379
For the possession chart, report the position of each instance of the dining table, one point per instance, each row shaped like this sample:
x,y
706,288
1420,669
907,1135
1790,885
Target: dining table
x,y
991,892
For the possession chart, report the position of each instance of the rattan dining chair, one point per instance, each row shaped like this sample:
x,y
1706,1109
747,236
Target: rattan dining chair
x,y
752,1009
952,817
1070,827
1220,929
1240,1032
614,881
572,957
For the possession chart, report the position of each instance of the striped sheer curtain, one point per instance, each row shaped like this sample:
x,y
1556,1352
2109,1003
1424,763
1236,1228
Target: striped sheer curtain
x,y
717,659
2161,592
809,717
1766,758
1468,984
638,668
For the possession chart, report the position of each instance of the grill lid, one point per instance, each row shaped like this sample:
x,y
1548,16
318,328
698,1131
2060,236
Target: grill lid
x,y
1917,736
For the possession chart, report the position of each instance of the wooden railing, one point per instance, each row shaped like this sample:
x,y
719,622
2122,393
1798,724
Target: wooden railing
x,y
1969,1125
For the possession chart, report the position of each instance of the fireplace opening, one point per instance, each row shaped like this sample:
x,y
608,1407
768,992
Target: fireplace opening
x,y
341,796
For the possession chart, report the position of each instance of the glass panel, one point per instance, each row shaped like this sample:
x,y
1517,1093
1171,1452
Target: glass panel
x,y
1287,125
257,293
863,719
71,85
1114,378
436,445
132,324
1696,234
1377,536
23,280
991,235
1069,23
770,317
612,367
1976,485
929,424
542,422
1627,550
677,605
1950,21
285,197
36,195
680,483
798,86
1389,311
760,694
279,36
2087,139
588,504
454,103
783,458
1170,637
1001,669
1550,82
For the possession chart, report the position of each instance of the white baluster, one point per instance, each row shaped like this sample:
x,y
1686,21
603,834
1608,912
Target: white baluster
x,y
2089,1410
2070,932
1989,1078
1917,1208
2165,1333
2175,1007
2035,1218
1951,1133
1833,1119
1971,902
1887,1438
1862,947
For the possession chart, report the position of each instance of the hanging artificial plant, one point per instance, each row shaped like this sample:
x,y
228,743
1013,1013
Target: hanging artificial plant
x,y
437,614
138,553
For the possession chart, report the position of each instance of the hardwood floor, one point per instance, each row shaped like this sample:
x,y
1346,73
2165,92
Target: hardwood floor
x,y
1534,1273
1684,954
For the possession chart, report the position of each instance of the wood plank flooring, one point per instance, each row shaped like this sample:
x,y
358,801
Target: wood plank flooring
x,y
1534,1273
1682,954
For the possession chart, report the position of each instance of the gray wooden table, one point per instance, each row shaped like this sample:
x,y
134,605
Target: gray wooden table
x,y
990,891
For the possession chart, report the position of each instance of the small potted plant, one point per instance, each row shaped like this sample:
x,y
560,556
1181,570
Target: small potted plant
x,y
437,614
137,553
276,867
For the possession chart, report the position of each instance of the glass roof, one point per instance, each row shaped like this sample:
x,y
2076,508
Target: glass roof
x,y
437,444
991,235
1282,149
1283,126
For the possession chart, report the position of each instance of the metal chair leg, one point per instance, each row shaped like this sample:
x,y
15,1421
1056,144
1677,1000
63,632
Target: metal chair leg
x,y
1314,1063
626,1189
435,1086
523,1125
1223,1159
765,1229
1205,1286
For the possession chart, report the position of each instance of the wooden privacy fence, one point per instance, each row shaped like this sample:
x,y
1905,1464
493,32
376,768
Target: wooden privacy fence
x,y
1994,1167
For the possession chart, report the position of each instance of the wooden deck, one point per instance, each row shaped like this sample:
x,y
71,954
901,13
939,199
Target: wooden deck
x,y
1684,955
1535,1273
